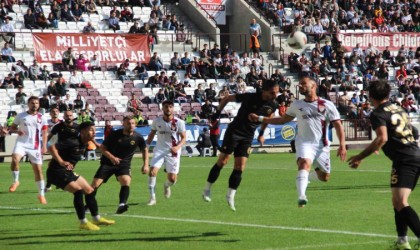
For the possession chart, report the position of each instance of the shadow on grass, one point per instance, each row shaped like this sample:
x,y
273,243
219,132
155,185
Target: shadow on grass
x,y
46,236
27,214
329,187
206,236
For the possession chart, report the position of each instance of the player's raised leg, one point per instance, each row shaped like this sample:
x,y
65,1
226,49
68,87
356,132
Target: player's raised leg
x,y
235,180
214,175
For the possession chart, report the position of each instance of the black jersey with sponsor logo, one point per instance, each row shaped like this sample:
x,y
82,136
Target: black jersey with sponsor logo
x,y
401,144
122,146
65,131
251,103
70,150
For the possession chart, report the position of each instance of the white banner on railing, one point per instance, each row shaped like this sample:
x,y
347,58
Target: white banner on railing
x,y
393,41
216,9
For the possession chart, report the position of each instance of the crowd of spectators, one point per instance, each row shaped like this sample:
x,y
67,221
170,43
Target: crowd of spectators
x,y
317,17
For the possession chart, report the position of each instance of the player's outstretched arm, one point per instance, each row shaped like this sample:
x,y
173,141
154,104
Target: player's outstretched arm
x,y
150,137
341,152
374,146
270,120
222,105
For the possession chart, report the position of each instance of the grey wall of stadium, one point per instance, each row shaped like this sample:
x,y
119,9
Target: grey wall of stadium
x,y
238,17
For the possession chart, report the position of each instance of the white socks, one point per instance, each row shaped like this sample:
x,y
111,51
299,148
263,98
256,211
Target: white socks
x,y
231,193
313,176
152,184
402,239
302,183
41,187
208,186
15,175
169,183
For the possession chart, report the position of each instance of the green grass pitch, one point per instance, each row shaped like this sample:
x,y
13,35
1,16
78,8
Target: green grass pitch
x,y
352,211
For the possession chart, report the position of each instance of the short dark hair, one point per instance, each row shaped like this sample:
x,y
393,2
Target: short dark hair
x,y
32,98
167,102
269,84
379,90
84,125
128,117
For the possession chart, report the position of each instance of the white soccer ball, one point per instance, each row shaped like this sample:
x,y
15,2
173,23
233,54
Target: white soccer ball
x,y
297,40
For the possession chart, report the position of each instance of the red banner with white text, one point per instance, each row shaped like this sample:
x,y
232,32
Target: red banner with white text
x,y
109,48
380,40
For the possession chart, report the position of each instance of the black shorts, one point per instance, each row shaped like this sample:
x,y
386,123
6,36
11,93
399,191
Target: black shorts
x,y
60,176
106,171
239,145
405,174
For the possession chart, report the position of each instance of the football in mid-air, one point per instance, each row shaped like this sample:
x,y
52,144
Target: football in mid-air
x,y
297,40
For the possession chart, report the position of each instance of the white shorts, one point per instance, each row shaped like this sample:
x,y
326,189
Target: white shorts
x,y
34,155
318,154
171,162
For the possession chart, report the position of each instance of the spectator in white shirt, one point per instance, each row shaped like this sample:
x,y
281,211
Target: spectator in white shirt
x,y
75,81
318,30
95,63
7,31
358,50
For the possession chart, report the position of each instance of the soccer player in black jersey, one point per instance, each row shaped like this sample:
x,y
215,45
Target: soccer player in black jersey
x,y
117,151
66,154
67,129
239,135
63,129
394,135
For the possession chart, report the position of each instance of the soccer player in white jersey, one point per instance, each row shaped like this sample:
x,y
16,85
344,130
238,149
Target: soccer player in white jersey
x,y
31,127
54,120
312,146
171,136
52,139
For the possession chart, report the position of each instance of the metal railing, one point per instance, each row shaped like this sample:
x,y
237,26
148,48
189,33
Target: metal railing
x,y
357,130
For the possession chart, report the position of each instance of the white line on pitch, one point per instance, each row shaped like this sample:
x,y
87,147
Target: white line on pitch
x,y
329,245
293,168
318,230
